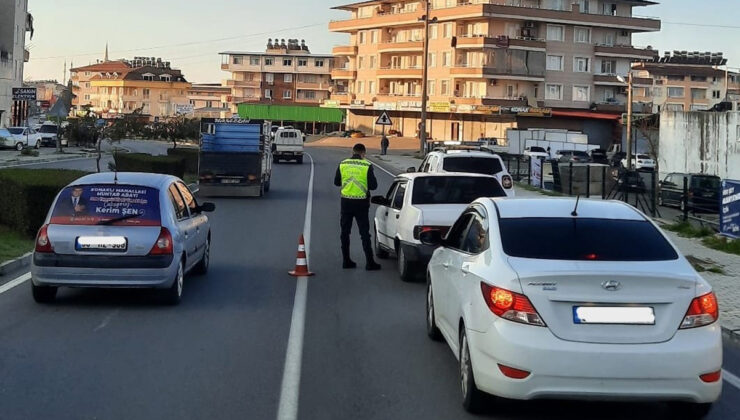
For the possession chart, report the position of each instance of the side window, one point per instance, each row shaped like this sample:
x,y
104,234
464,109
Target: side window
x,y
425,165
459,230
391,190
188,197
476,239
398,198
181,210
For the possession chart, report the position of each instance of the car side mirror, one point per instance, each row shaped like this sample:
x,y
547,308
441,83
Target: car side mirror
x,y
380,200
207,208
431,237
410,170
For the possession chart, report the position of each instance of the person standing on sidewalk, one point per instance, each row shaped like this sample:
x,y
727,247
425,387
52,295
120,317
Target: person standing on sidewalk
x,y
356,178
384,143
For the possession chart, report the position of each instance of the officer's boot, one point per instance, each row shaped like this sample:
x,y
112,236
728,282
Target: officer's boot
x,y
347,262
370,264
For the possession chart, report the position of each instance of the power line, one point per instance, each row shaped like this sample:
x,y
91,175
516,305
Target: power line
x,y
704,25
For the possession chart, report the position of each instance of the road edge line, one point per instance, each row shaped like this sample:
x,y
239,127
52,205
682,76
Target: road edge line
x,y
730,378
15,282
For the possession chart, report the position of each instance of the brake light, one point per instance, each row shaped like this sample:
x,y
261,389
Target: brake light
x,y
163,245
711,377
43,244
703,310
512,373
509,305
507,182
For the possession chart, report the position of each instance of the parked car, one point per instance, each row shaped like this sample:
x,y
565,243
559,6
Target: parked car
x,y
617,158
536,152
630,181
288,145
599,156
641,162
468,160
703,192
572,156
349,133
418,202
49,132
540,298
24,137
127,230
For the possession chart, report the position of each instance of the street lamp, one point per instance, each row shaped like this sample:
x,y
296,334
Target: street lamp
x,y
425,78
628,82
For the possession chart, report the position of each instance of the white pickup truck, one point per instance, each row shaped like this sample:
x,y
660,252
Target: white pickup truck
x,y
288,145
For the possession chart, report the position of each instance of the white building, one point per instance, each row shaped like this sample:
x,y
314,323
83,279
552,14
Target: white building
x,y
14,23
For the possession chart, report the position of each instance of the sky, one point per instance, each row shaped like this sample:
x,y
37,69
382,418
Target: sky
x,y
192,36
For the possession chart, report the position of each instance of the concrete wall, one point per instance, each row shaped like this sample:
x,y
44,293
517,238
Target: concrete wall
x,y
700,142
12,43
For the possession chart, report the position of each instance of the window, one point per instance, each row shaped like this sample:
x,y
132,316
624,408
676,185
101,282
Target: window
x,y
287,62
581,93
360,87
400,195
610,9
447,28
555,33
287,94
676,77
268,93
188,197
585,6
609,38
582,35
444,87
555,62
675,92
309,94
580,64
698,79
371,87
319,63
374,37
716,94
269,61
432,60
87,97
361,36
554,92
430,87
373,61
609,95
554,4
269,78
583,239
254,61
446,59
237,59
674,107
476,240
433,30
360,62
458,231
302,62
609,67
288,78
146,93
473,165
181,210
698,93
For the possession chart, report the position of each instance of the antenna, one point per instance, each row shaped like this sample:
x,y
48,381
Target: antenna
x,y
575,210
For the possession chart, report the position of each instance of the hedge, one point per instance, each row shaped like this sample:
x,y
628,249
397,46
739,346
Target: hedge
x,y
141,162
190,155
27,195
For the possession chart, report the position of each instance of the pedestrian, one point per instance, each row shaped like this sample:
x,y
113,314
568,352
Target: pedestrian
x,y
356,178
384,143
548,152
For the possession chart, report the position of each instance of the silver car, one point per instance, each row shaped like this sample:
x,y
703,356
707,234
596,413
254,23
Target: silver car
x,y
130,230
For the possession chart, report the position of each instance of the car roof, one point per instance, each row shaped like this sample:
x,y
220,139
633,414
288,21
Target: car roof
x,y
127,178
467,153
416,175
563,207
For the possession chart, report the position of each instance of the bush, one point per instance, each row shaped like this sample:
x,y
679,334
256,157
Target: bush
x,y
27,151
190,155
140,162
28,195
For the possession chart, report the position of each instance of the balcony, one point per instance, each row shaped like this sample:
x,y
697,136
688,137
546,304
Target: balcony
x,y
344,98
378,20
625,51
244,83
478,41
343,74
479,72
242,99
344,50
413,46
313,86
502,101
386,97
399,73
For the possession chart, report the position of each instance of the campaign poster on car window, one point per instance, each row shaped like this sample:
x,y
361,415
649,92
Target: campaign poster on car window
x,y
729,213
120,205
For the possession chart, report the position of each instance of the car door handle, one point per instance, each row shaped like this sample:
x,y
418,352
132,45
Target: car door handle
x,y
465,269
446,265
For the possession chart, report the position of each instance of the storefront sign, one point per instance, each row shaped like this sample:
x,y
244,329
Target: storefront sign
x,y
439,106
729,217
409,105
24,94
184,109
385,106
330,103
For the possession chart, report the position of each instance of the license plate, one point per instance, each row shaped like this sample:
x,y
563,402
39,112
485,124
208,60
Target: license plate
x,y
624,315
101,243
229,181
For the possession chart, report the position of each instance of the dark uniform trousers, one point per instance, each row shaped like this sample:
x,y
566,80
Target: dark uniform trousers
x,y
356,210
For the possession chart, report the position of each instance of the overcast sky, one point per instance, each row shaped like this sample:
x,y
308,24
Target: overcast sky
x,y
191,37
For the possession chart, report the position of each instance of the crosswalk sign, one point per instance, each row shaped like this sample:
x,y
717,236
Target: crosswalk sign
x,y
384,119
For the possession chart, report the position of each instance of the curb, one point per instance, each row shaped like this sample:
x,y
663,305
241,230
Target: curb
x,y
733,335
40,161
16,264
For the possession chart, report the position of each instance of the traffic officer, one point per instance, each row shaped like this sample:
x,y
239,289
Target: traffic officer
x,y
356,178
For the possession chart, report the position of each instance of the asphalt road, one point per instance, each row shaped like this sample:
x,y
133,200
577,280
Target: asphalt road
x,y
221,353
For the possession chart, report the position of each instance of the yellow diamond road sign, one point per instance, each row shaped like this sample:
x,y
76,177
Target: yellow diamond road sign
x,y
384,119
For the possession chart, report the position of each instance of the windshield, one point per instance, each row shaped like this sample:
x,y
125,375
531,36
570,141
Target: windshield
x,y
706,182
584,239
95,204
580,154
473,165
454,190
15,131
537,150
48,129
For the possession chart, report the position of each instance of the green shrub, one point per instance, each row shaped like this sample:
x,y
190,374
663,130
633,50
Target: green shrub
x,y
27,151
140,162
190,155
27,195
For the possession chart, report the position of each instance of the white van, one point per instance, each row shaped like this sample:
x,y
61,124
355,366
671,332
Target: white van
x,y
288,145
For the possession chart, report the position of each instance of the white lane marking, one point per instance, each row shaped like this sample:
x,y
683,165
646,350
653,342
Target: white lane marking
x,y
731,379
106,320
385,170
290,387
15,282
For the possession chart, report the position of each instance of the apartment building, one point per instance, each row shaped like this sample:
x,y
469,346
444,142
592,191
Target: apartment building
x,y
119,87
285,74
209,100
492,63
15,22
684,81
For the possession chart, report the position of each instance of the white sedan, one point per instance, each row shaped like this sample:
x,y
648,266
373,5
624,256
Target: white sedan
x,y
22,137
543,298
641,162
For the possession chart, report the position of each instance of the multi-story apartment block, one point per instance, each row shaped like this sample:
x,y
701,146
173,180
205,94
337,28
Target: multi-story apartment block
x,y
15,21
120,87
684,81
209,100
487,59
285,74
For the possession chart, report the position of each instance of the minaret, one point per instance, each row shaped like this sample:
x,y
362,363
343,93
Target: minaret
x,y
106,53
64,76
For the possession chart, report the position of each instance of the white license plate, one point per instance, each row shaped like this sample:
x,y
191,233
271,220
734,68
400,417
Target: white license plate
x,y
102,243
625,315
229,181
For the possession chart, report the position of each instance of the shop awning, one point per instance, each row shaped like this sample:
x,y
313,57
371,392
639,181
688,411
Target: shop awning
x,y
587,115
291,113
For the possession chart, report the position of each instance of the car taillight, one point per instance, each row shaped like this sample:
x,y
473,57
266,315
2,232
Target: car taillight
x,y
163,245
703,310
43,244
711,377
418,230
507,182
509,305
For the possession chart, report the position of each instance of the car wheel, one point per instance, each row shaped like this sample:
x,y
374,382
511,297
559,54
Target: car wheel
x,y
472,396
379,252
690,411
173,295
43,294
432,330
405,267
267,186
275,160
19,147
202,267
38,144
300,160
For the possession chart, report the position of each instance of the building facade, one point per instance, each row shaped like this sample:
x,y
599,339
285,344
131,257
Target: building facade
x,y
15,22
209,100
112,88
489,62
285,74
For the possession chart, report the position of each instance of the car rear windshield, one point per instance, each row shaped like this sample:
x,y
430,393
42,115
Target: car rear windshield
x,y
473,165
93,204
579,153
707,182
15,131
454,190
577,239
537,150
48,129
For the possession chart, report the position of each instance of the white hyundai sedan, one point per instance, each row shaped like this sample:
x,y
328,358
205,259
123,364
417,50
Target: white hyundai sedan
x,y
547,298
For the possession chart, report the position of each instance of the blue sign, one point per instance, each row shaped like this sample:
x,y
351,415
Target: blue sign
x,y
729,213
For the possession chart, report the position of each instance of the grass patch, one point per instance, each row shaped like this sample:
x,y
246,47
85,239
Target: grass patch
x,y
687,230
13,244
716,270
721,243
532,188
190,179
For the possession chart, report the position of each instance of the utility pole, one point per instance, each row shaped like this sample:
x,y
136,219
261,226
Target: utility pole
x,y
629,121
425,78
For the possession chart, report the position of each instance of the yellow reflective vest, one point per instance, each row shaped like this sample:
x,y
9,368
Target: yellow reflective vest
x,y
354,178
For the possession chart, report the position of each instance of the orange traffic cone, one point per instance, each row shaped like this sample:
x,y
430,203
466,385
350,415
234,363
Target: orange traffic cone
x,y
301,263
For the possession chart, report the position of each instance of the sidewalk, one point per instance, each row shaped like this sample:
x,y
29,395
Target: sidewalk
x,y
11,158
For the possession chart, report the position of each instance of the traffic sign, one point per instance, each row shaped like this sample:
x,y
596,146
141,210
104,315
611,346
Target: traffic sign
x,y
24,94
384,119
